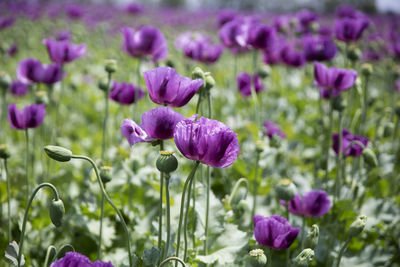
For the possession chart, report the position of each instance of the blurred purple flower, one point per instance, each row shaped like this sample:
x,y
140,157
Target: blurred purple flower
x,y
261,36
355,150
347,11
6,22
305,18
63,35
30,117
225,16
282,23
397,85
350,29
145,41
157,123
334,79
18,88
209,141
134,8
274,232
271,129
28,70
292,55
125,93
12,50
62,52
236,33
272,54
245,81
50,74
75,259
318,48
74,11
167,87
313,204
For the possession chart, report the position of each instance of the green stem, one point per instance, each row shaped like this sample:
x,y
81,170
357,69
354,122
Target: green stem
x,y
103,143
111,203
138,71
190,177
207,211
287,250
185,221
254,93
364,107
339,160
101,226
303,226
255,188
236,188
328,136
168,214
8,200
21,240
160,205
200,98
3,110
47,260
27,161
342,251
269,257
172,259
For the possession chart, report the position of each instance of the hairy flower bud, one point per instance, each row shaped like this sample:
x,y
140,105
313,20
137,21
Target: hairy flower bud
x,y
210,82
103,84
4,151
311,239
198,73
354,54
5,80
166,162
257,258
339,104
58,153
264,71
388,129
357,226
286,190
57,212
366,69
41,97
304,258
105,174
110,66
370,157
260,146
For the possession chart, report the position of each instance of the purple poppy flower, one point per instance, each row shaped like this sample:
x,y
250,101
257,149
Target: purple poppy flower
x,y
350,29
29,70
246,81
157,123
272,54
63,35
30,117
125,93
313,204
167,87
62,52
334,79
355,150
18,88
74,11
134,8
347,11
224,16
318,48
76,259
209,141
271,129
50,74
145,41
236,33
292,56
12,50
274,232
282,23
305,18
261,36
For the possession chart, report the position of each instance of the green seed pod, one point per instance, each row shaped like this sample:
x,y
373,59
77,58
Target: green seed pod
x,y
41,97
198,73
257,258
103,84
57,212
167,162
339,104
354,54
170,63
357,226
304,258
366,69
370,157
58,153
286,190
260,146
311,239
110,66
105,174
264,71
388,129
4,151
5,80
210,82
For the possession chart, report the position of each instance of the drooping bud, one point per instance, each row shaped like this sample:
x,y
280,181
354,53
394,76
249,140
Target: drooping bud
x,y
103,84
311,239
210,82
370,157
5,80
198,73
357,226
4,151
339,103
41,97
257,258
264,72
111,66
366,69
304,258
58,153
166,162
57,212
388,129
286,190
105,174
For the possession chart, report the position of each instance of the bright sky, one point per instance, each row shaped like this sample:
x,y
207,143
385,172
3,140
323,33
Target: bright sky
x,y
388,5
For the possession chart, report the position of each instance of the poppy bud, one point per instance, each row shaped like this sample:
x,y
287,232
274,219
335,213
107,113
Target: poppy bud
x,y
170,63
57,212
339,104
58,153
103,84
41,97
366,69
311,239
370,157
260,146
354,54
198,73
264,72
286,190
210,82
304,258
105,174
388,129
4,151
5,81
357,226
257,258
166,162
111,66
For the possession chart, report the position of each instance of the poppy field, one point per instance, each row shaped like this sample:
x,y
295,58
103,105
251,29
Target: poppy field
x,y
135,135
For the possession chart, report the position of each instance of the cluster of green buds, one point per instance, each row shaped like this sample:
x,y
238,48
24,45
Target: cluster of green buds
x,y
257,258
166,162
4,151
286,190
207,78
